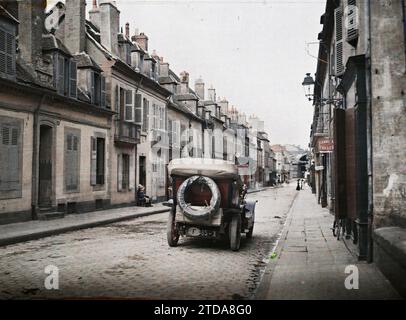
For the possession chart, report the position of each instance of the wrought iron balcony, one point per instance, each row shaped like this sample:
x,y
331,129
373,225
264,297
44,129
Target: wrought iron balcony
x,y
127,132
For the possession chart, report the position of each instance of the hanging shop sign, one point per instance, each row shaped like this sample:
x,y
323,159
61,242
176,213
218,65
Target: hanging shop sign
x,y
326,145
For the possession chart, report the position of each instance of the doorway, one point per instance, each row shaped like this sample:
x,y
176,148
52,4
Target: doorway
x,y
142,171
45,187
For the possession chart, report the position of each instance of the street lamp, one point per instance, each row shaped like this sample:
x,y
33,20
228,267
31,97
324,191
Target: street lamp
x,y
308,85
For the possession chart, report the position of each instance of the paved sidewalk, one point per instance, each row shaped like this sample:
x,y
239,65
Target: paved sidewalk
x,y
310,263
25,231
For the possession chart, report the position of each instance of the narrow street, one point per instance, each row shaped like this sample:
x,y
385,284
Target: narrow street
x,y
132,259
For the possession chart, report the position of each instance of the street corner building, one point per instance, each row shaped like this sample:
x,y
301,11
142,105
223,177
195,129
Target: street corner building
x,y
87,114
359,125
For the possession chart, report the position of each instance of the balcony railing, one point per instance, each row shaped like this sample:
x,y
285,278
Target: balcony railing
x,y
127,132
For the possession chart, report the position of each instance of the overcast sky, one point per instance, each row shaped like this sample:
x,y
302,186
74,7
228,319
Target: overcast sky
x,y
252,52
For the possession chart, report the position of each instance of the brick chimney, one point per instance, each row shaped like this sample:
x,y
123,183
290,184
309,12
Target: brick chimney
x,y
94,14
199,88
31,14
75,32
184,82
142,40
110,25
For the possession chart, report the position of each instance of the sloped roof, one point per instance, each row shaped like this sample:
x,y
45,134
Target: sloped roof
x,y
83,60
50,42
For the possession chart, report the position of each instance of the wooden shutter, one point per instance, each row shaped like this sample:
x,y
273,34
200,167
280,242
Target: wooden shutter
x,y
119,172
9,158
129,106
73,80
7,53
352,27
350,160
339,44
60,74
138,109
92,87
170,132
117,101
100,163
72,162
93,160
146,115
102,91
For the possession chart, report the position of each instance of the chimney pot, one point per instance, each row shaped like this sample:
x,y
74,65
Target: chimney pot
x,y
127,30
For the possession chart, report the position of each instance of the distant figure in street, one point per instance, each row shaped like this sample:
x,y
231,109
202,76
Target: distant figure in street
x,y
298,185
142,199
301,184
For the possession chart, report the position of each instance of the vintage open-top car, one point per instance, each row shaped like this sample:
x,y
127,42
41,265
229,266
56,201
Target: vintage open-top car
x,y
208,201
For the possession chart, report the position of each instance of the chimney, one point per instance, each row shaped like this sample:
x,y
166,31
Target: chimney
x,y
127,30
184,82
199,88
110,25
75,32
94,15
223,103
142,40
212,94
31,14
163,68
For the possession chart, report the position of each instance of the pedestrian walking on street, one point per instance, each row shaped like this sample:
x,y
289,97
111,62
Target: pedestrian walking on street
x,y
298,185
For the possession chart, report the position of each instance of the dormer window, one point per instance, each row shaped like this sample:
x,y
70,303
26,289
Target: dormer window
x,y
7,50
65,75
97,88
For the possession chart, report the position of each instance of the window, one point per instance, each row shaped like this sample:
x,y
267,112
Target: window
x,y
97,167
10,158
65,76
352,22
7,51
97,89
72,160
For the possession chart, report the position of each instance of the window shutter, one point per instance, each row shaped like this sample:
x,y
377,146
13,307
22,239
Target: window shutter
x,y
170,132
339,44
103,92
71,162
93,160
9,158
131,177
60,83
146,115
92,87
352,25
119,172
138,109
129,106
3,57
73,80
117,101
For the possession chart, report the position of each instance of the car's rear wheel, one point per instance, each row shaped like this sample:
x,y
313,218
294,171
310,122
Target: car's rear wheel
x,y
172,234
235,232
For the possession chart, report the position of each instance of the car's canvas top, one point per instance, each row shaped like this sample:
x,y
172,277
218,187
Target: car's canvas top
x,y
213,168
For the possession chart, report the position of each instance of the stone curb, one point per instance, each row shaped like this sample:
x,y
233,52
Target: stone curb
x,y
86,225
264,285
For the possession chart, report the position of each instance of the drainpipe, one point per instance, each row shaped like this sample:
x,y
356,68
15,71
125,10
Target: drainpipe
x,y
369,129
35,160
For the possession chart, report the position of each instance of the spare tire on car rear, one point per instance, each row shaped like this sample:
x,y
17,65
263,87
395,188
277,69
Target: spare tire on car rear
x,y
200,213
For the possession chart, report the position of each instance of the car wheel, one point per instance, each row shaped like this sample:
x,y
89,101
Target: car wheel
x,y
235,232
171,233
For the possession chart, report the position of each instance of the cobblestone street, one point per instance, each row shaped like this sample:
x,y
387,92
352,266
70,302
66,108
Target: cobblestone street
x,y
132,259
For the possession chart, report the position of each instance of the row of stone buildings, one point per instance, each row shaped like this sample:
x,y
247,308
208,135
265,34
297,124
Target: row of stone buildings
x,y
87,114
359,128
